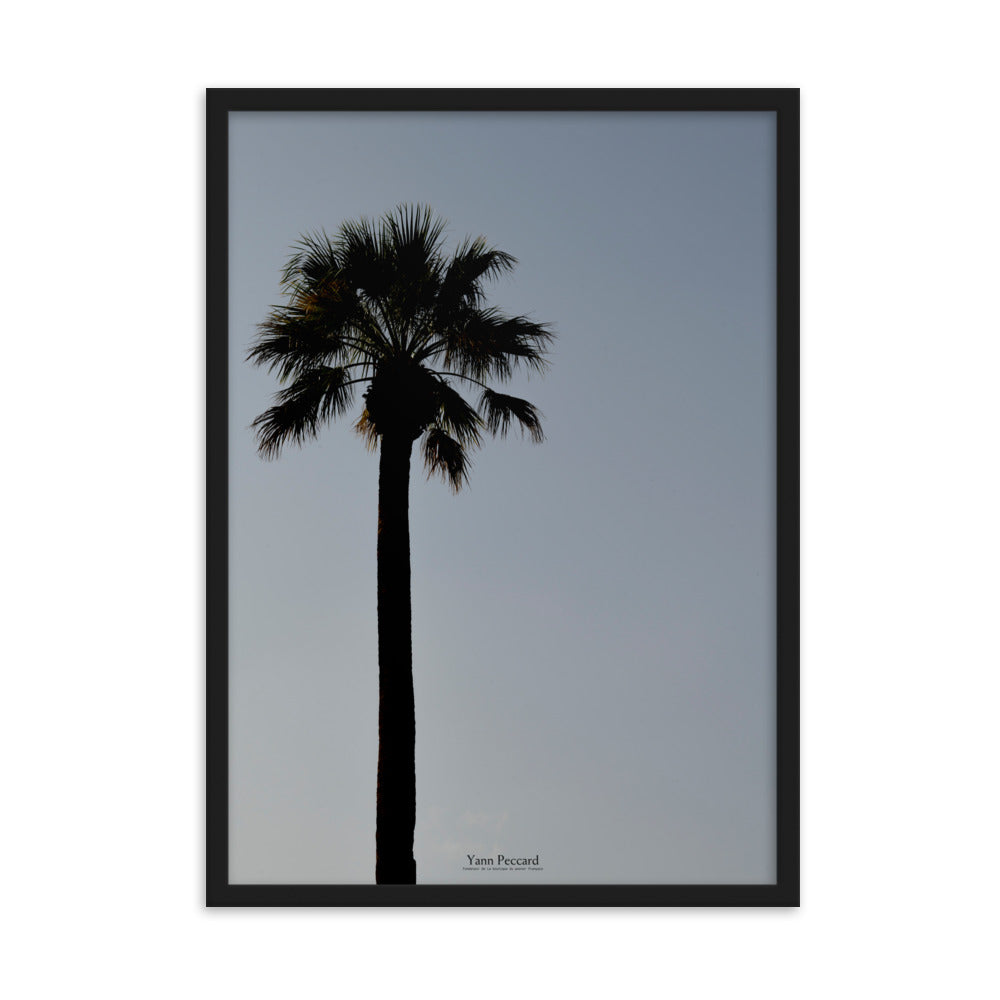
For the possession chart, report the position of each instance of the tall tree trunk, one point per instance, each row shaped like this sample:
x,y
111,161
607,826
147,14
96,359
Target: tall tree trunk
x,y
396,798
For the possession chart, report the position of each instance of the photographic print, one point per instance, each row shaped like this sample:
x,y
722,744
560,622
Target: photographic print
x,y
502,497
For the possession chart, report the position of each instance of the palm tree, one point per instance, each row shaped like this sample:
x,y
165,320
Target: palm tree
x,y
381,304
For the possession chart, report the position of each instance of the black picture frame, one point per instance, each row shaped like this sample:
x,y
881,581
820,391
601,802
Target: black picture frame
x,y
784,103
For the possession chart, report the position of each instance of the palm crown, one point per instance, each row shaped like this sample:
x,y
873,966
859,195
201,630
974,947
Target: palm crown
x,y
380,303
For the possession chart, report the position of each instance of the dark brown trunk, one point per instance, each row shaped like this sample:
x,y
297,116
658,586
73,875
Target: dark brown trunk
x,y
396,797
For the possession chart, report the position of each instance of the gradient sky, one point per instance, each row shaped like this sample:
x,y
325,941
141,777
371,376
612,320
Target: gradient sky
x,y
593,617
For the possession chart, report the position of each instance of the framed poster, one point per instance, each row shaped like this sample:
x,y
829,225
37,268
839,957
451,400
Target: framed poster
x,y
502,537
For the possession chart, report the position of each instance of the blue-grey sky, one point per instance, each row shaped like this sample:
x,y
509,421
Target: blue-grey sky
x,y
593,617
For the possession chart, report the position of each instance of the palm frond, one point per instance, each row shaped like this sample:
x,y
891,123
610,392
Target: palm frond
x,y
289,341
313,259
411,242
458,417
473,262
315,396
444,456
412,235
488,344
366,429
364,264
325,281
499,409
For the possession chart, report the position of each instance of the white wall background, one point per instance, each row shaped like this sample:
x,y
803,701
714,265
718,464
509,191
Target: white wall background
x,y
101,726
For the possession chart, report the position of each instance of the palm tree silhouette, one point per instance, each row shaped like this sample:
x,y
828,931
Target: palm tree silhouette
x,y
380,303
